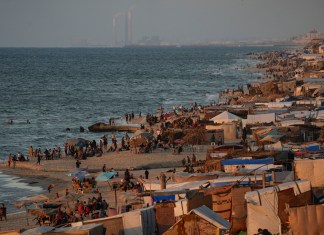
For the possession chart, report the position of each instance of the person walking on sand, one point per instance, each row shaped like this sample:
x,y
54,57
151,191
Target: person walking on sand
x,y
38,159
14,160
146,174
9,160
3,212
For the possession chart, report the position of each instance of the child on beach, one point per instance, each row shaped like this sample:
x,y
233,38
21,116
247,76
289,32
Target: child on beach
x,y
9,160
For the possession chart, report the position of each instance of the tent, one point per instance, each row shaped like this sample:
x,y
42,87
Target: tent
x,y
307,219
263,208
225,117
200,219
312,170
135,222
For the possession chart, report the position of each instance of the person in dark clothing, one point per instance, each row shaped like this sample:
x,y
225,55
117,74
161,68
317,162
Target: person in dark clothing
x,y
104,168
77,164
146,174
3,212
38,159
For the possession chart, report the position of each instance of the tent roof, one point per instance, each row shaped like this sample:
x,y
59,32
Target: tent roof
x,y
211,216
225,117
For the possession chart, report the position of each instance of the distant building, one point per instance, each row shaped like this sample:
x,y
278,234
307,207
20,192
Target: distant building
x,y
307,38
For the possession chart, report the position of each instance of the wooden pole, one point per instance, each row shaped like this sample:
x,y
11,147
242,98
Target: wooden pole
x,y
116,198
263,180
273,177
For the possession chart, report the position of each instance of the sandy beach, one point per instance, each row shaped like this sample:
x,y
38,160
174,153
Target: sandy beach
x,y
55,172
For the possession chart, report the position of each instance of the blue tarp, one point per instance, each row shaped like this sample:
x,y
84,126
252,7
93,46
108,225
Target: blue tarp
x,y
164,198
105,176
314,148
237,161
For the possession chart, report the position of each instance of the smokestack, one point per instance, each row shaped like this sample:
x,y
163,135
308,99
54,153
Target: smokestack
x,y
114,32
115,43
126,29
129,26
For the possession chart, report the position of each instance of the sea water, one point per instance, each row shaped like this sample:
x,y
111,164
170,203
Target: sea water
x,y
55,89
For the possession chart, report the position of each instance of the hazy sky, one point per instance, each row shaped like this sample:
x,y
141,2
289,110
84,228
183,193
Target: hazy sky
x,y
75,22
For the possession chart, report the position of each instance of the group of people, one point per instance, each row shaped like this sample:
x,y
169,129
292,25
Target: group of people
x,y
85,185
189,163
12,160
129,116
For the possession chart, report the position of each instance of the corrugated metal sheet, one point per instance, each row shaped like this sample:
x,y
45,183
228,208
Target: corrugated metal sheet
x,y
212,217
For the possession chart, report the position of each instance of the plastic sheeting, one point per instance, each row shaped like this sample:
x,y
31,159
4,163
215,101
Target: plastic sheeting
x,y
139,222
312,170
307,219
262,206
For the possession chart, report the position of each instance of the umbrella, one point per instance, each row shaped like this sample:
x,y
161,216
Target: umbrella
x,y
79,174
80,142
179,141
105,176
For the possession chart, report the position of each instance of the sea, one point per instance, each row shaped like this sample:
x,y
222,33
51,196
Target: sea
x,y
44,91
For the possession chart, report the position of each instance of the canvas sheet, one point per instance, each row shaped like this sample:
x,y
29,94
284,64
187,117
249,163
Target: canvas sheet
x,y
239,211
307,220
132,223
311,170
148,220
261,118
262,206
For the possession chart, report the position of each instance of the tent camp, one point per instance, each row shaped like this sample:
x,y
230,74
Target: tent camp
x,y
136,222
263,206
199,219
225,117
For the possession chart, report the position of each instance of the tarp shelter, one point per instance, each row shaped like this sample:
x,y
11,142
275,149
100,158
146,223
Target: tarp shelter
x,y
38,230
112,224
135,222
139,222
200,219
263,207
165,217
247,165
312,170
90,229
225,117
259,118
307,219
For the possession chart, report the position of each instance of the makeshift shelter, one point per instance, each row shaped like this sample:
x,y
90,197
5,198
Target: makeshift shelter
x,y
113,225
312,170
91,229
135,222
263,210
236,164
259,118
139,222
225,117
141,137
165,216
201,219
307,219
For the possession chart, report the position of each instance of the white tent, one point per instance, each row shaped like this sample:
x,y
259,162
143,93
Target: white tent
x,y
225,117
262,206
